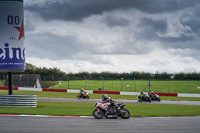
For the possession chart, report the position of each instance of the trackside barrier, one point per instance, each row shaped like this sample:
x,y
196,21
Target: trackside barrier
x,y
29,89
106,92
18,101
54,90
6,88
188,95
100,92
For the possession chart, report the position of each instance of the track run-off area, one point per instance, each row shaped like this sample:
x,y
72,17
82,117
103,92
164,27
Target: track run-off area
x,y
42,124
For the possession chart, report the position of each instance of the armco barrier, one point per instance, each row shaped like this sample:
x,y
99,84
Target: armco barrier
x,y
55,90
6,88
106,92
18,100
100,92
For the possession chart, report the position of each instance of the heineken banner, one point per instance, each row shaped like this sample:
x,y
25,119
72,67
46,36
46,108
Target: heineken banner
x,y
12,49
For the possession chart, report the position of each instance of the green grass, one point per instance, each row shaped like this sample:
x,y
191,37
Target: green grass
x,y
86,109
171,86
92,96
1,82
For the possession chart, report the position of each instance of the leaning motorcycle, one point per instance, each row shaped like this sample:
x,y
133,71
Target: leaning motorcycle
x,y
145,98
110,110
83,96
155,97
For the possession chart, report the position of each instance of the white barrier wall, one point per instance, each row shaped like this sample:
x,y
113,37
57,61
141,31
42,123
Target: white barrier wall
x,y
131,93
188,95
29,89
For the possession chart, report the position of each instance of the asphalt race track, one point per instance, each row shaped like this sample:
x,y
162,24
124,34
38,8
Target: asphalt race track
x,y
28,124
120,101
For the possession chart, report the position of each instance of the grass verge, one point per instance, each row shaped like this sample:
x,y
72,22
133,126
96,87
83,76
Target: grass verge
x,y
92,96
86,109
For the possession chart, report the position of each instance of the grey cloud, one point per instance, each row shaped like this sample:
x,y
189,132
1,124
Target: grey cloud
x,y
149,29
47,45
115,20
29,26
76,10
191,18
55,47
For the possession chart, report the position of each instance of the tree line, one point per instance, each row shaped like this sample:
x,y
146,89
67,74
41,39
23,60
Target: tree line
x,y
56,74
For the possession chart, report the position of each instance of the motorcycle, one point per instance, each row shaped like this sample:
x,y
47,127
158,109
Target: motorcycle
x,y
154,97
110,110
83,95
144,98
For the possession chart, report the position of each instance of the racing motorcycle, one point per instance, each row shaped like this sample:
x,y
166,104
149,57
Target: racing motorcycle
x,y
83,95
154,97
145,98
110,110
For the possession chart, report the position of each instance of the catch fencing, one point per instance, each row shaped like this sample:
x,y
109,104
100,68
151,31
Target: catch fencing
x,y
121,84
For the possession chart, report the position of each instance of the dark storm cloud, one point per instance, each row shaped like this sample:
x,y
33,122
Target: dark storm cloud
x,y
149,29
191,18
76,10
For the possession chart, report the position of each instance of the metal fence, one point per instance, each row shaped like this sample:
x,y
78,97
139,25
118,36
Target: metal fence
x,y
134,85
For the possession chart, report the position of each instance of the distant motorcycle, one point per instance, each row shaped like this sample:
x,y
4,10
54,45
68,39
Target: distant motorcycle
x,y
154,97
110,110
145,98
83,95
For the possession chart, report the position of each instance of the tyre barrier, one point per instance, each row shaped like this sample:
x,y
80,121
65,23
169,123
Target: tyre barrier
x,y
18,101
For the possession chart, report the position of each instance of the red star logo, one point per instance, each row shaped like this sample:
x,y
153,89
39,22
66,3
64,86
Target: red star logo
x,y
21,30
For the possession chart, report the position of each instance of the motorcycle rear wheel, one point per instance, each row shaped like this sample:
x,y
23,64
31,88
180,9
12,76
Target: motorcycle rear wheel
x,y
125,114
98,114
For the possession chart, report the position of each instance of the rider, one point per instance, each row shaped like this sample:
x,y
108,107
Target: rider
x,y
106,99
82,92
141,95
151,95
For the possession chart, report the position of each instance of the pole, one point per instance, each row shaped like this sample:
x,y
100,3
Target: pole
x,y
10,82
68,82
121,84
149,86
85,81
134,85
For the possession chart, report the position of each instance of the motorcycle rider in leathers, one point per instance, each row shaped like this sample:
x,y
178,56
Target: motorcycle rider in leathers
x,y
82,92
106,99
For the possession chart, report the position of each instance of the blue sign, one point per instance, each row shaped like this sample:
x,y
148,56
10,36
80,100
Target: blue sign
x,y
12,48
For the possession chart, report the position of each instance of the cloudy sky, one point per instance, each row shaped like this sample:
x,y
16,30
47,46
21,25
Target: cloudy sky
x,y
113,35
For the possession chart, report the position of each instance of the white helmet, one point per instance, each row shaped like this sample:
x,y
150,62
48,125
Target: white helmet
x,y
104,96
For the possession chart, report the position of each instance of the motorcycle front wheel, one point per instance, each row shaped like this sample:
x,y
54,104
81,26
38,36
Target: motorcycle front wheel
x,y
98,114
87,97
78,97
125,114
158,99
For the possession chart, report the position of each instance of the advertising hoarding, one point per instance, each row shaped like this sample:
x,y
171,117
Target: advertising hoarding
x,y
12,48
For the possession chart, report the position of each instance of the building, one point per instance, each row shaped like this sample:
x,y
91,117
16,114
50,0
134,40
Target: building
x,y
25,80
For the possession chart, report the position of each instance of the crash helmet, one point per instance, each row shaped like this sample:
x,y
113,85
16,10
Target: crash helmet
x,y
141,92
82,89
104,96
